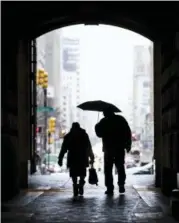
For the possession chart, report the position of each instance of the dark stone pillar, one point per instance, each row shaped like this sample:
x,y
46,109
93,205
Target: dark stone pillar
x,y
23,109
9,134
23,175
170,87
15,114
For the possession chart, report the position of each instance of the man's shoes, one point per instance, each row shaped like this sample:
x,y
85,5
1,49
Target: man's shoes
x,y
121,189
109,192
75,190
81,190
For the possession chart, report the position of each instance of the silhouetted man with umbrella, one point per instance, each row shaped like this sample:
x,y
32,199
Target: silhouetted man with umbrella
x,y
116,137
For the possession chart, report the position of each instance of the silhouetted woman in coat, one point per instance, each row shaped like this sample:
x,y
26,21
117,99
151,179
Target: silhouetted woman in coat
x,y
77,144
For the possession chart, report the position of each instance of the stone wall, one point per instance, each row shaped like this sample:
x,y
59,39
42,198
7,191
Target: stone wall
x,y
9,131
23,72
170,111
15,114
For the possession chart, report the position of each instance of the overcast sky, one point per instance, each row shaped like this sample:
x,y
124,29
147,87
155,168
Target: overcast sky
x,y
107,62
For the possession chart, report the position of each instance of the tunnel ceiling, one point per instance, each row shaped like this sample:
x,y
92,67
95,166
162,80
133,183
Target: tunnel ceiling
x,y
151,19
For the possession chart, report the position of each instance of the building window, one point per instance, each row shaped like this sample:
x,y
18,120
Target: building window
x,y
146,84
141,68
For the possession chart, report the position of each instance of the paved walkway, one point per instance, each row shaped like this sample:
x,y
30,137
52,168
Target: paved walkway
x,y
61,180
50,205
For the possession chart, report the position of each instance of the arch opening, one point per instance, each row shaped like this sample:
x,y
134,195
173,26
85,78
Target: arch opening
x,y
54,25
67,37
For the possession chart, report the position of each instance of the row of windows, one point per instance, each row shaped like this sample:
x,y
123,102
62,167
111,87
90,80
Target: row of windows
x,y
146,84
72,42
41,54
41,63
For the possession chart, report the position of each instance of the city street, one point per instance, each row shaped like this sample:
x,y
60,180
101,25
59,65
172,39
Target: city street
x,y
49,199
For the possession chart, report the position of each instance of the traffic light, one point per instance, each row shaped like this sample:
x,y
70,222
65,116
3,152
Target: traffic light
x,y
39,76
42,78
45,80
39,129
51,124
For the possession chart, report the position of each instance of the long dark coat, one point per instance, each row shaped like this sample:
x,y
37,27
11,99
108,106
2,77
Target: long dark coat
x,y
115,133
78,147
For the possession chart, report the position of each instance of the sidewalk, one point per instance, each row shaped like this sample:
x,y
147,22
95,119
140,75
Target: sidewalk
x,y
50,205
61,180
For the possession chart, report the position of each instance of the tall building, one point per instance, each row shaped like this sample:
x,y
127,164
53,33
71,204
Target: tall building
x,y
52,66
48,52
59,54
141,87
41,43
151,82
143,100
70,78
130,113
150,122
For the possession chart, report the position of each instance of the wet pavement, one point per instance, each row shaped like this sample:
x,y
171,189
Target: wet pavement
x,y
50,204
61,180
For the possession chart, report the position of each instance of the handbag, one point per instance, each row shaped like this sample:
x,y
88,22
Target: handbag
x,y
93,177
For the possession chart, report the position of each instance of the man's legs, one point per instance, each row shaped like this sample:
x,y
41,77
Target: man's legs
x,y
108,166
75,186
119,163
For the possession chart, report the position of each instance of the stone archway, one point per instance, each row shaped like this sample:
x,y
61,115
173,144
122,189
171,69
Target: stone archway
x,y
29,20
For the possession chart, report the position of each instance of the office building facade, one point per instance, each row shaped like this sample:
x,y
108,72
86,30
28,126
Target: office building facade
x,y
70,88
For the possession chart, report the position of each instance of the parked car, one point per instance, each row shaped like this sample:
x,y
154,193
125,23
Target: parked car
x,y
129,162
135,153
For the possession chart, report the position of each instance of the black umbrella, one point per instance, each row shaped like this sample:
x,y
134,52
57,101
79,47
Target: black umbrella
x,y
99,106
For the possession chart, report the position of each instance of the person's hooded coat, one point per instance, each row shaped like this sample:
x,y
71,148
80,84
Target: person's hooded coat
x,y
79,149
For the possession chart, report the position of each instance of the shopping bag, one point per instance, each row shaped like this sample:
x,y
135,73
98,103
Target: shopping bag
x,y
93,177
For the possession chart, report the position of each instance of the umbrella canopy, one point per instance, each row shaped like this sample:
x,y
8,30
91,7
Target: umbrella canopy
x,y
99,106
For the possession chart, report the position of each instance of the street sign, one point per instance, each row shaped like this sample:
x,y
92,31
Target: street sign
x,y
44,109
